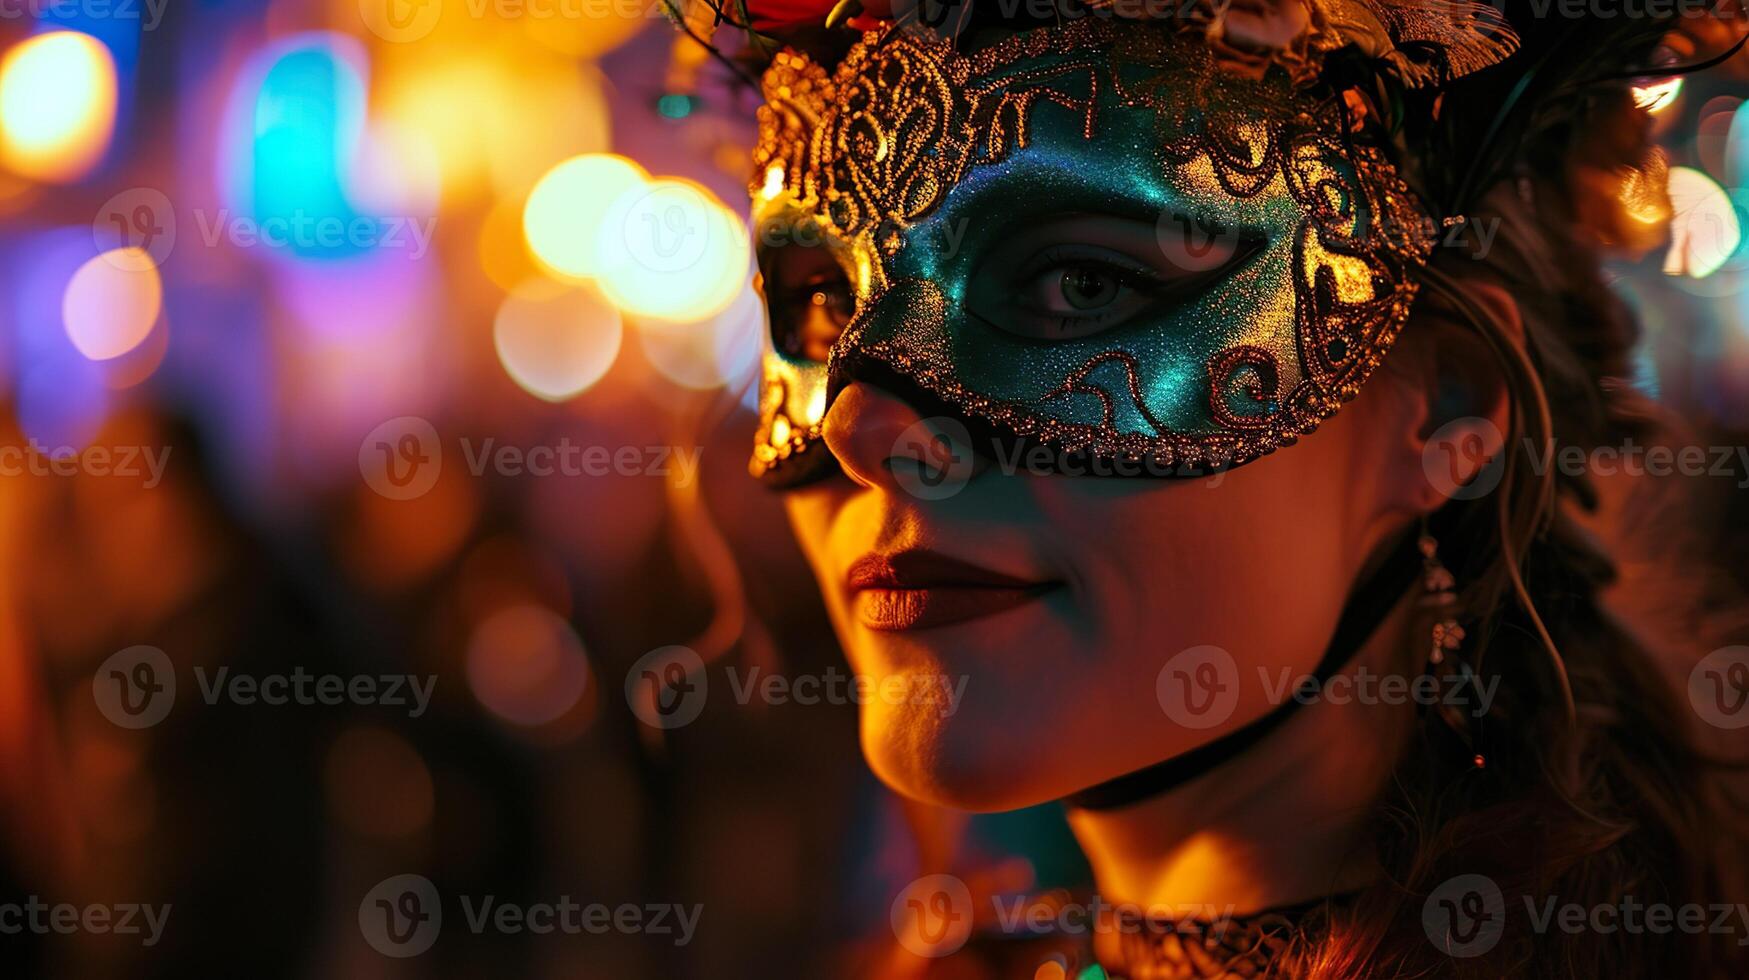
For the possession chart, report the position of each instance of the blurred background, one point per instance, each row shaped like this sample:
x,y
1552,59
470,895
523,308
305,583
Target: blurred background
x,y
415,339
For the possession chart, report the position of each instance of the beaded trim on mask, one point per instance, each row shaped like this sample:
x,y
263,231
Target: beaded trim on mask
x,y
875,146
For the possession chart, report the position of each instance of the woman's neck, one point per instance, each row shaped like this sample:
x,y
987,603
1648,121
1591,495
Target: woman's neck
x,y
1283,823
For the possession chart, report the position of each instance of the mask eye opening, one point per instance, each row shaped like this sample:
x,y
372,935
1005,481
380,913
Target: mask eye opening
x,y
810,296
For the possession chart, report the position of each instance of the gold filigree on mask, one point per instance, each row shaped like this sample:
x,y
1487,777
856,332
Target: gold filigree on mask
x,y
872,150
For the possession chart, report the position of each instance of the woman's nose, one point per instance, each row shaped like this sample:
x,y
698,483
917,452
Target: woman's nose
x,y
881,441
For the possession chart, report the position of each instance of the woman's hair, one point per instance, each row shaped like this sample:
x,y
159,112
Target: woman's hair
x,y
1596,788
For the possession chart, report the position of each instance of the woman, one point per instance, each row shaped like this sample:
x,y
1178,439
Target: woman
x,y
1080,395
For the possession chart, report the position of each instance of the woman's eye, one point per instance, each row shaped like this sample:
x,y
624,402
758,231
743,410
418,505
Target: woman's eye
x,y
809,300
1096,275
816,314
1085,288
1069,295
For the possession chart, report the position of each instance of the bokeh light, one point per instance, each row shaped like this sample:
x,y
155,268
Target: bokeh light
x,y
377,784
1736,168
496,117
1704,229
672,251
590,37
111,303
1712,135
502,250
1655,97
291,135
555,340
722,350
57,105
397,172
526,665
569,203
59,393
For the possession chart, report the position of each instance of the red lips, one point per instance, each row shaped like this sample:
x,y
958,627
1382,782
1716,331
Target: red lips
x,y
914,590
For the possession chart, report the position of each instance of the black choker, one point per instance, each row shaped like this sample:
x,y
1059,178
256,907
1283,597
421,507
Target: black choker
x,y
1366,611
1273,943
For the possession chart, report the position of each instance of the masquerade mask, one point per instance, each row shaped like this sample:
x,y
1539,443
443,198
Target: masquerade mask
x,y
1090,237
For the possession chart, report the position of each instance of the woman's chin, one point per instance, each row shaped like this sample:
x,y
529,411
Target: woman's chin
x,y
957,763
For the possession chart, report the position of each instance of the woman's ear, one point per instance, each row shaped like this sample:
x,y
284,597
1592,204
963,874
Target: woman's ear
x,y
1452,406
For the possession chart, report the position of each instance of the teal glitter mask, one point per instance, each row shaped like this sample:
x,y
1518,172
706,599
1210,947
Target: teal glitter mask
x,y
922,173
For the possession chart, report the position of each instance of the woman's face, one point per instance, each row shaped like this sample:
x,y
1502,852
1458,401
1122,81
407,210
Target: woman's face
x,y
1054,604
1101,261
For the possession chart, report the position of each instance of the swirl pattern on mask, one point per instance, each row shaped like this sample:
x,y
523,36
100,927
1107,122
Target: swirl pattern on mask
x,y
873,149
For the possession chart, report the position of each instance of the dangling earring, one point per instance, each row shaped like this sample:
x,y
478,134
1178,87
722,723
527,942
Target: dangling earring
x,y
1447,636
1441,597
